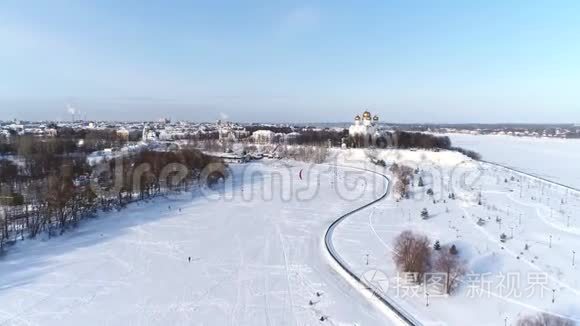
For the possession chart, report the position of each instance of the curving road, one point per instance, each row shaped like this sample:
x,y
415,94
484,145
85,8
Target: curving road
x,y
401,315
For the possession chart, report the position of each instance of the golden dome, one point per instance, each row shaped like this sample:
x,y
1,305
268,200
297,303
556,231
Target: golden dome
x,y
366,114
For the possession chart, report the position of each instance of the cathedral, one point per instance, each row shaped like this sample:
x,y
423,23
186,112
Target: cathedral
x,y
366,127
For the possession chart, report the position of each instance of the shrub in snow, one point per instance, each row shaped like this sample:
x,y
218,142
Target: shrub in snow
x,y
481,222
430,192
424,214
503,237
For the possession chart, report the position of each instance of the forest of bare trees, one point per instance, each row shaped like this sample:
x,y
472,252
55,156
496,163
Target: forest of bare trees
x,y
401,139
48,186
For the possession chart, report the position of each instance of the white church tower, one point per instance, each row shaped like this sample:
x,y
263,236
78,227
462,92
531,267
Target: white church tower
x,y
365,126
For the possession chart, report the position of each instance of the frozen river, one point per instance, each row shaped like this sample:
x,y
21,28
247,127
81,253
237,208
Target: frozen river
x,y
554,159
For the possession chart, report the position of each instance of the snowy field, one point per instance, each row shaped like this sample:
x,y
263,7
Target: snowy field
x,y
552,158
256,258
504,281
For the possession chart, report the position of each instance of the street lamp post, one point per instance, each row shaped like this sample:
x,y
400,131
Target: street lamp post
x,y
550,241
427,298
553,295
573,257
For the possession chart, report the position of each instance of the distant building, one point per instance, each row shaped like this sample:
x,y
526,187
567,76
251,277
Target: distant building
x,y
263,136
148,134
365,127
51,132
123,133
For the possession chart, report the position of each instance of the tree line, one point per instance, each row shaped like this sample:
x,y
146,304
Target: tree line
x,y
66,141
46,190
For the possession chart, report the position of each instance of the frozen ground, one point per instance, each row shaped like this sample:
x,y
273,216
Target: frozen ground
x,y
504,280
256,259
554,159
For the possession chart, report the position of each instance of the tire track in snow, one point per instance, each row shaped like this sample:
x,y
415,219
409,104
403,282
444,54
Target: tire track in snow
x,y
287,274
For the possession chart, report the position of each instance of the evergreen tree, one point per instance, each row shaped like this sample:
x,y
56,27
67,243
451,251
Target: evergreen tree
x,y
503,237
453,250
437,246
424,214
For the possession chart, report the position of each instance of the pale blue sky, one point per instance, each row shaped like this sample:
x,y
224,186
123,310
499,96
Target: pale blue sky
x,y
409,61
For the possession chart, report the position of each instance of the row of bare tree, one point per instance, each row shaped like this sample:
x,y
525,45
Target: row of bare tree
x,y
53,192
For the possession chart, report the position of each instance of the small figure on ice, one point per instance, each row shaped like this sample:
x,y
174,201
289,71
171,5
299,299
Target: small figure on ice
x,y
189,259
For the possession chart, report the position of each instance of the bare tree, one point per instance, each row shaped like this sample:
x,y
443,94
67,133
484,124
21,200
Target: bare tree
x,y
403,175
545,319
412,254
452,266
401,189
